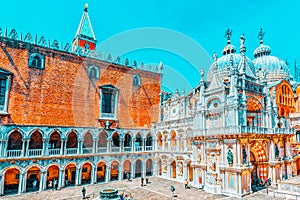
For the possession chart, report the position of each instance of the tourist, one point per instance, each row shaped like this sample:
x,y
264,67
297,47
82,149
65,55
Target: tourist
x,y
186,184
147,180
50,184
142,181
83,192
34,184
54,184
172,191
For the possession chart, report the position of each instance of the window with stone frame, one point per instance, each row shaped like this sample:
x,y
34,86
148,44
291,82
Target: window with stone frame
x,y
109,100
4,89
93,72
136,80
36,61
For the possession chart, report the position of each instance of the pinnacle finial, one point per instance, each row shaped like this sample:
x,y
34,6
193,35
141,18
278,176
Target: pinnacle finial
x,y
228,35
242,44
86,7
261,35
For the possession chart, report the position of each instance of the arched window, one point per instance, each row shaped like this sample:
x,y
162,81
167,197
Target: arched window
x,y
36,61
93,72
136,80
109,102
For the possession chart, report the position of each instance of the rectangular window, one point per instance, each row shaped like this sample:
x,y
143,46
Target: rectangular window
x,y
108,102
2,93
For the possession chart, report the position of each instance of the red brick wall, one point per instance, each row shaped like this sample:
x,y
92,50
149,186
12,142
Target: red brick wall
x,y
63,95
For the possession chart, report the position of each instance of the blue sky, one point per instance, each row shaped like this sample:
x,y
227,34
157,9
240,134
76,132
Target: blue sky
x,y
188,23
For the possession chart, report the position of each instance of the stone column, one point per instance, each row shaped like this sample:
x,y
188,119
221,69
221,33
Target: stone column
x,y
27,148
184,144
133,144
42,180
144,144
248,153
154,144
163,142
131,170
62,149
155,167
1,184
61,179
120,174
271,150
122,145
23,148
177,143
238,150
169,170
45,147
93,180
109,145
185,171
287,148
24,182
240,183
78,175
21,179
94,147
195,178
4,148
107,173
79,148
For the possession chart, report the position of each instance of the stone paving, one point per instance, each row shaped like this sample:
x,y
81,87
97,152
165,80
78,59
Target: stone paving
x,y
158,189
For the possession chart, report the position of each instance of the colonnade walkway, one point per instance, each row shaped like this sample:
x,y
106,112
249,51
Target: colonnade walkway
x,y
157,189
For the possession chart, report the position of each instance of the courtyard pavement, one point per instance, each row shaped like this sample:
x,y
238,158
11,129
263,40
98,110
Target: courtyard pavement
x,y
157,189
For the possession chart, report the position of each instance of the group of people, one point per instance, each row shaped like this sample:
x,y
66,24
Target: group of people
x,y
142,181
52,184
186,186
125,196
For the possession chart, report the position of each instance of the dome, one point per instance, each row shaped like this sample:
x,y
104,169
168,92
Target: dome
x,y
229,48
224,62
274,68
262,50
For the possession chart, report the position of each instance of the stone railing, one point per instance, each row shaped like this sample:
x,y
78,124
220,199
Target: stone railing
x,y
34,152
242,129
87,150
52,152
79,51
139,148
102,150
13,153
71,151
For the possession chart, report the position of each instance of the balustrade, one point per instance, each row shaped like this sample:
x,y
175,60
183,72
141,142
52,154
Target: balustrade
x,y
149,148
35,152
87,150
127,149
71,151
54,152
13,153
139,148
115,149
102,150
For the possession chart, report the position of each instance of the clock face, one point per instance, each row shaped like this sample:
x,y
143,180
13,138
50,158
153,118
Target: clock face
x,y
174,111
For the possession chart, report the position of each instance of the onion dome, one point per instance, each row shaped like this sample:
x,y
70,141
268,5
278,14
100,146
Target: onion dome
x,y
268,68
229,60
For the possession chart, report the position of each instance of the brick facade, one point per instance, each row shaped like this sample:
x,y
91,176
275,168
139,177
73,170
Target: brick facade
x,y
61,94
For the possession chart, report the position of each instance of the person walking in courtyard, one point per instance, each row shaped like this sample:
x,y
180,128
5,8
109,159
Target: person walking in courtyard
x,y
142,181
54,184
34,184
186,184
172,191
